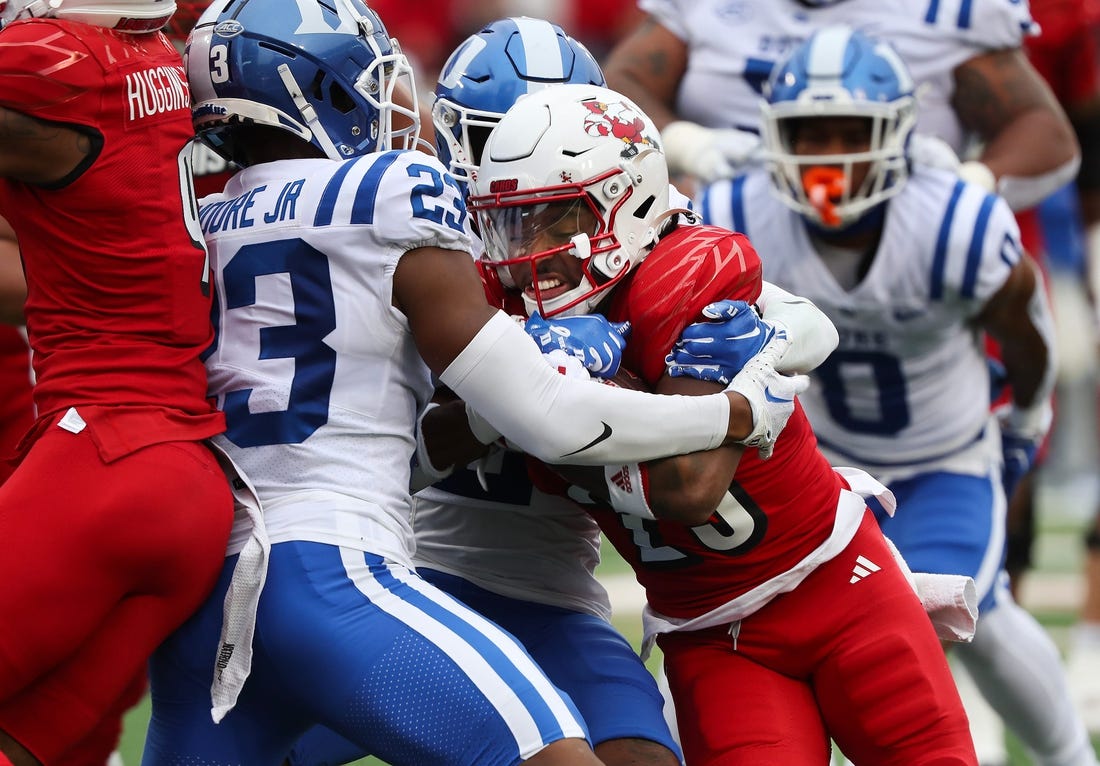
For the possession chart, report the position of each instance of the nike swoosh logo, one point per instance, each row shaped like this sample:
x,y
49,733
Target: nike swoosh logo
x,y
773,398
747,335
602,437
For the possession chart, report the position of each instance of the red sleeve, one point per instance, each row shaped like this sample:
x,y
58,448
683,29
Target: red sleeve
x,y
43,67
693,266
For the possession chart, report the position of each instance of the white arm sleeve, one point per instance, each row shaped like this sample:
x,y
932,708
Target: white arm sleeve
x,y
502,375
813,336
1022,193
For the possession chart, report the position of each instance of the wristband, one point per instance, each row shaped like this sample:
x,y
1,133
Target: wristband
x,y
627,486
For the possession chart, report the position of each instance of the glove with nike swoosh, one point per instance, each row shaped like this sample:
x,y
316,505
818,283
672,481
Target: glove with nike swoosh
x,y
591,338
771,394
718,348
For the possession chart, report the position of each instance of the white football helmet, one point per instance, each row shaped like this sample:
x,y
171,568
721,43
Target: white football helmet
x,y
579,144
134,16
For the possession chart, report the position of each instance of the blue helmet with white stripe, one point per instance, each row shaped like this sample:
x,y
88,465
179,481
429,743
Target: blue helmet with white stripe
x,y
326,72
838,72
490,70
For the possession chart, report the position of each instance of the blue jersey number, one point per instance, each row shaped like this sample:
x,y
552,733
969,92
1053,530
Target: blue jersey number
x,y
303,341
456,219
892,413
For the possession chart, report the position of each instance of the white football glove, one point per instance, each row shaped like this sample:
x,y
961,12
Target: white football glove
x,y
771,394
708,153
933,151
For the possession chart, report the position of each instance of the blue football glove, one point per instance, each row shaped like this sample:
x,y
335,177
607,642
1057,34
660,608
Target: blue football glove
x,y
1022,433
1019,456
718,348
595,341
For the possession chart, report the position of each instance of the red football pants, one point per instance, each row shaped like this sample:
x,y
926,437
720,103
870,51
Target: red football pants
x,y
99,563
856,661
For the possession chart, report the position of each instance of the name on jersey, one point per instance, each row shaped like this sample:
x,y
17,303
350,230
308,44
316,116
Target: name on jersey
x,y
156,90
863,339
238,213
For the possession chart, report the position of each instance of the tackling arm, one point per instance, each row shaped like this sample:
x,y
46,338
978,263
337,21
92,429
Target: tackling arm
x,y
488,360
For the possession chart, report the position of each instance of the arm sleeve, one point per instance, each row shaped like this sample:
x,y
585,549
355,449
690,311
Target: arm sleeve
x,y
502,375
813,335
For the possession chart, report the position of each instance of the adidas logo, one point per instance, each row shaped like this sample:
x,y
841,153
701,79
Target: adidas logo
x,y
622,480
864,568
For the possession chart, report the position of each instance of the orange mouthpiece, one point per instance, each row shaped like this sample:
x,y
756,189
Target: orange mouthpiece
x,y
824,187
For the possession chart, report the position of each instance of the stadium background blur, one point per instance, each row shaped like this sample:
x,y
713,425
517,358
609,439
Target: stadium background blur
x,y
1068,482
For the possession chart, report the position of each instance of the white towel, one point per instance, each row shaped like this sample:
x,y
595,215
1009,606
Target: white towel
x,y
951,601
241,599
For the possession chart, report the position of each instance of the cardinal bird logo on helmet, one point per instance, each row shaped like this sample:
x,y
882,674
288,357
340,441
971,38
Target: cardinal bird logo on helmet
x,y
619,120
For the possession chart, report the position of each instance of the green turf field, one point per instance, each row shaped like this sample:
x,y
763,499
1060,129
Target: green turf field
x,y
1058,559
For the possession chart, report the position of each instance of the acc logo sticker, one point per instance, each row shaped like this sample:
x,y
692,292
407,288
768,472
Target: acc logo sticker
x,y
229,28
622,121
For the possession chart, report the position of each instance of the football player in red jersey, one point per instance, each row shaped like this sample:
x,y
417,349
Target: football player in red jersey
x,y
116,520
783,615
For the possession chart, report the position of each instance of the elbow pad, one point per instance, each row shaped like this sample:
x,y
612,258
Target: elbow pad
x,y
1022,193
812,334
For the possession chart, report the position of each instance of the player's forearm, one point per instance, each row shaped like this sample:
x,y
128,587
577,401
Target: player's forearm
x,y
502,376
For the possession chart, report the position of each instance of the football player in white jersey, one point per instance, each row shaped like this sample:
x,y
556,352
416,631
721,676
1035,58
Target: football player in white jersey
x,y
521,557
697,66
912,264
344,282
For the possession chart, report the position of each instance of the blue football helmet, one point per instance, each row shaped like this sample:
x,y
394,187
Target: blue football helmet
x,y
326,72
839,72
489,71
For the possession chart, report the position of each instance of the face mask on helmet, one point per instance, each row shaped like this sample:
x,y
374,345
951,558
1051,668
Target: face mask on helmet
x,y
570,196
133,16
326,73
489,71
836,124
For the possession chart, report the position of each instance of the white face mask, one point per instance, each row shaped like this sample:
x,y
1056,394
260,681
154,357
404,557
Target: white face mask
x,y
10,10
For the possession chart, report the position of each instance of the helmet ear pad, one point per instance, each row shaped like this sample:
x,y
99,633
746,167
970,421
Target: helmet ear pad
x,y
573,142
329,75
839,74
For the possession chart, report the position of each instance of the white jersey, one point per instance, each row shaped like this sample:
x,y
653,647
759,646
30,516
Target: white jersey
x,y
315,369
907,389
511,539
733,45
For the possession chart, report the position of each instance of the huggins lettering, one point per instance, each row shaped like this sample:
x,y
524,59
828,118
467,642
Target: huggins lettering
x,y
156,90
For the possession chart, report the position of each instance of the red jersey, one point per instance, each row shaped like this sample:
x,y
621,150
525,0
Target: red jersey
x,y
118,298
1065,53
16,407
785,507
